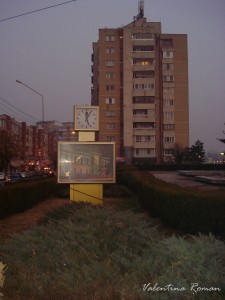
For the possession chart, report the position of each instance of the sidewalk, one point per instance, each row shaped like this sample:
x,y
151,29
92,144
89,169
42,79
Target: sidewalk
x,y
185,181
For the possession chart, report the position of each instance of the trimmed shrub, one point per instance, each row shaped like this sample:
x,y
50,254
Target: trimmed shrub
x,y
18,197
86,252
191,211
2,277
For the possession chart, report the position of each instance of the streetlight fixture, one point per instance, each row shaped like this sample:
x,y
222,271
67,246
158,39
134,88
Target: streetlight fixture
x,y
42,97
222,154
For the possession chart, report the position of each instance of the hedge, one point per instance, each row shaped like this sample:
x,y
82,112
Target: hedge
x,y
18,197
192,211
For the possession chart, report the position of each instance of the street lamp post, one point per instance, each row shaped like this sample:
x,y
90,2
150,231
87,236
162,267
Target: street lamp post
x,y
42,97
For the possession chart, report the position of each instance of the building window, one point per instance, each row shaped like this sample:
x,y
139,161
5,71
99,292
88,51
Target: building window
x,y
169,102
167,44
144,138
140,112
169,127
110,38
167,54
110,87
168,115
110,125
169,139
15,128
168,90
2,123
143,48
143,86
143,112
144,125
167,67
143,61
168,78
110,50
110,138
144,99
110,75
143,36
110,101
110,113
145,152
143,74
110,63
168,151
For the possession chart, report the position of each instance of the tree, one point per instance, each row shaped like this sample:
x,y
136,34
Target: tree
x,y
180,154
197,153
10,148
222,140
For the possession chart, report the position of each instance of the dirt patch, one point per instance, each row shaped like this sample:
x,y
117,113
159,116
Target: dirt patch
x,y
23,221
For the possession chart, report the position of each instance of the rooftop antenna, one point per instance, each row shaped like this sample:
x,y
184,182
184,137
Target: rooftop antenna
x,y
140,9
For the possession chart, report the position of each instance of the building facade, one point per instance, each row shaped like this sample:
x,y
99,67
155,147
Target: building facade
x,y
140,83
34,146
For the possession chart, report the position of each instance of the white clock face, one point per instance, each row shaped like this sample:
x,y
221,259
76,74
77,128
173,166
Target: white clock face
x,y
86,118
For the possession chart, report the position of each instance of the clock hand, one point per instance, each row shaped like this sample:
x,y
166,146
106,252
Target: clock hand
x,y
86,117
89,113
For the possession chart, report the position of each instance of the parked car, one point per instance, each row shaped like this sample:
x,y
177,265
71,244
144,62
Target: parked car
x,y
31,174
23,174
48,173
2,176
14,177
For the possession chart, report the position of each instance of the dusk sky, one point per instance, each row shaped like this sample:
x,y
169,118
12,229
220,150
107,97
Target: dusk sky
x,y
50,51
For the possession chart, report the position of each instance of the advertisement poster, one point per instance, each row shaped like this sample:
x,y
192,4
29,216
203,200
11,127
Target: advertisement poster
x,y
82,162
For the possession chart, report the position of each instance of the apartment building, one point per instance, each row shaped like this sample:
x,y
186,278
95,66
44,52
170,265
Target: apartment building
x,y
35,146
10,137
140,83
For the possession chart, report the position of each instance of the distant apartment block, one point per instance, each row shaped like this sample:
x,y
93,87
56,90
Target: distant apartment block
x,y
140,83
36,145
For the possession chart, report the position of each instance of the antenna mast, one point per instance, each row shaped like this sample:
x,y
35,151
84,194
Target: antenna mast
x,y
140,9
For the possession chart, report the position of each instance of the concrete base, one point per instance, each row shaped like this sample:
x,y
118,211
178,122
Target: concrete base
x,y
212,179
195,173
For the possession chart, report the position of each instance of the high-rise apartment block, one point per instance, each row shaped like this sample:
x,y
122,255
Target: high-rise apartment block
x,y
140,83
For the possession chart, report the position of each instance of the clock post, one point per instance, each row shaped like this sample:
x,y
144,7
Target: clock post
x,y
86,123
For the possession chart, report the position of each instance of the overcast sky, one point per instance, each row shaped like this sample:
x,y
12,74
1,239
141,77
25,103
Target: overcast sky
x,y
50,51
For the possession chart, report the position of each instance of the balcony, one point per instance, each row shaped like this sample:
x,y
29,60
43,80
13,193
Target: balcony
x,y
143,74
143,67
144,144
143,125
146,118
143,48
136,93
143,42
143,54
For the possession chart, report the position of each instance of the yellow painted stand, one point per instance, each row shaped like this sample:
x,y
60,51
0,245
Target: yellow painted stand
x,y
84,136
87,192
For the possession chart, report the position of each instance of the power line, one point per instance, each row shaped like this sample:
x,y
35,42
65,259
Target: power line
x,y
8,112
18,109
37,10
15,116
